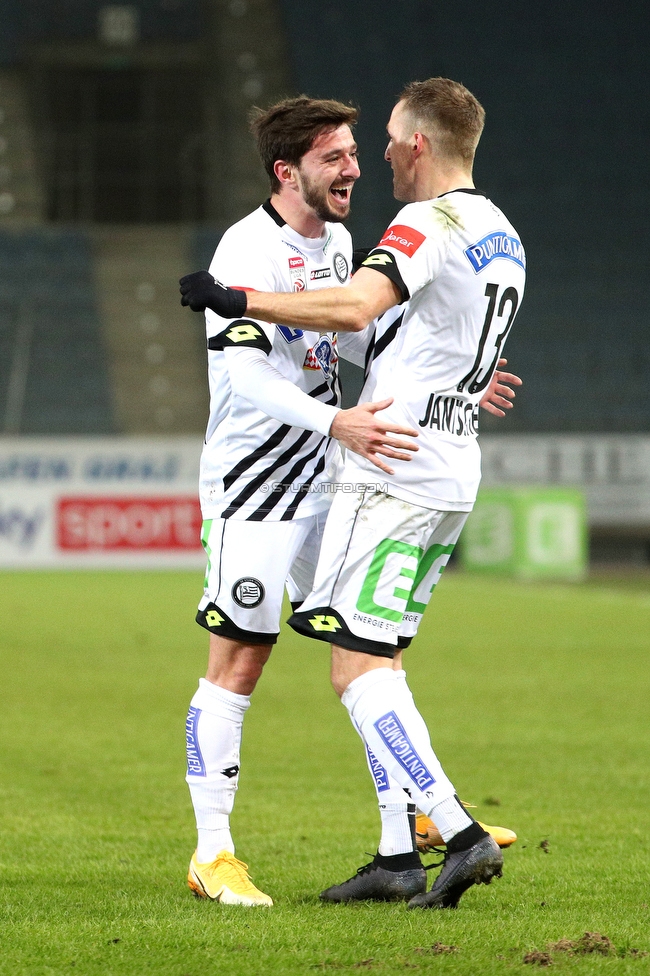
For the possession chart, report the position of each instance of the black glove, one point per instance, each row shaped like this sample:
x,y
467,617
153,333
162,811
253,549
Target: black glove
x,y
199,290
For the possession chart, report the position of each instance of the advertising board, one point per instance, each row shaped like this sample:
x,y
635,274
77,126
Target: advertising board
x,y
100,502
133,501
612,471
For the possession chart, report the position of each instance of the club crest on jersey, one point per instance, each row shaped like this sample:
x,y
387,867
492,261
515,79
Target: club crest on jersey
x,y
493,246
248,593
402,238
322,356
341,269
297,274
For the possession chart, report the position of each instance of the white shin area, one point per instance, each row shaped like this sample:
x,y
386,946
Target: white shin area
x,y
213,733
381,707
396,810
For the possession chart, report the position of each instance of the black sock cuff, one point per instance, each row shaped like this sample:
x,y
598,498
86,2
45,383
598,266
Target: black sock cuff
x,y
398,862
466,838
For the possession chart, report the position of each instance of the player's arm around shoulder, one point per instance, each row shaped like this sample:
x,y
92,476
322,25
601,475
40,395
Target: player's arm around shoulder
x,y
347,309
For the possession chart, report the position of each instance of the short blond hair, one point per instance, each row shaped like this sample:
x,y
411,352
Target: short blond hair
x,y
447,113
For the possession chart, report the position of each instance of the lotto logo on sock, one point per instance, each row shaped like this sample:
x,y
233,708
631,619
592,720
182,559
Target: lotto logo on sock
x,y
195,763
392,732
379,774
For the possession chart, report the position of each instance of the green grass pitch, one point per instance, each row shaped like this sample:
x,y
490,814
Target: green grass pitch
x,y
537,698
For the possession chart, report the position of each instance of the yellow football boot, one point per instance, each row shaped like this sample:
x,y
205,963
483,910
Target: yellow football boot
x,y
225,880
428,836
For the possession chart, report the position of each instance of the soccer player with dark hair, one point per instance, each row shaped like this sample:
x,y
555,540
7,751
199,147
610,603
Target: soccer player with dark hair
x,y
449,272
270,451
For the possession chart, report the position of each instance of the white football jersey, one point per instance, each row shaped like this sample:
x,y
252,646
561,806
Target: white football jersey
x,y
254,467
461,268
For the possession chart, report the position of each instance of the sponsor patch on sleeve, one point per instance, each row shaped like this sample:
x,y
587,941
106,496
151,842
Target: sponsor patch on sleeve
x,y
244,333
403,238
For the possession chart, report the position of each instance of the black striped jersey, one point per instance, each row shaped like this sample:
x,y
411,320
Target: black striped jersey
x,y
252,466
461,269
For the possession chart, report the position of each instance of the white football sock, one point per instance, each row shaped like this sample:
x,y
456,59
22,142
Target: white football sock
x,y
382,708
213,732
396,810
450,817
397,828
211,842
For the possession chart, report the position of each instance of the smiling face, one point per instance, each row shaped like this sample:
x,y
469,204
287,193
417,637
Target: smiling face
x,y
399,153
327,173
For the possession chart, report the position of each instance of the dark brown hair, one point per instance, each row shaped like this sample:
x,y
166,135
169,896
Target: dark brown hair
x,y
448,113
287,130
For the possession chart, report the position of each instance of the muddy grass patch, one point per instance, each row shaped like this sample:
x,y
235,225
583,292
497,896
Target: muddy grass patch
x,y
590,942
538,958
437,949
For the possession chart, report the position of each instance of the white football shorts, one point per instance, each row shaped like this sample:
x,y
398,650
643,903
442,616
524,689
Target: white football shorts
x,y
249,566
379,562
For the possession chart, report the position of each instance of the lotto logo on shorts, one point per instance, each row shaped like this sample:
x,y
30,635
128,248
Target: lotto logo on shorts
x,y
195,763
325,622
392,732
402,238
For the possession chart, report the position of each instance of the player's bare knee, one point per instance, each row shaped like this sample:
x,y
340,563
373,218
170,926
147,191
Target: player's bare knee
x,y
235,665
348,665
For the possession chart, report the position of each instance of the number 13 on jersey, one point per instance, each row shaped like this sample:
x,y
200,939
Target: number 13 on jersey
x,y
499,316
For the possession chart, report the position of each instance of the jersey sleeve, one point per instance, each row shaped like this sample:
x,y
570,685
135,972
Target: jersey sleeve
x,y
253,377
413,249
240,334
239,263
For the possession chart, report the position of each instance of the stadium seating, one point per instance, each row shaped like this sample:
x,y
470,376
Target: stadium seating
x,y
78,19
49,321
557,154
